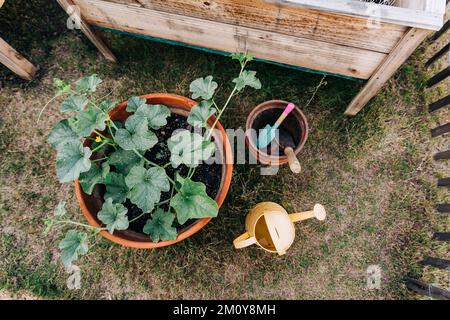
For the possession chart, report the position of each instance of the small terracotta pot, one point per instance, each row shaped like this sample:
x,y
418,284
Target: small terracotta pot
x,y
91,205
267,113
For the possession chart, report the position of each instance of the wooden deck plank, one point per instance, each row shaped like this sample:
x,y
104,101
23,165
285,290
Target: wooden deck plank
x,y
444,155
266,45
443,182
443,208
437,263
438,131
442,75
426,289
443,30
439,104
441,236
444,50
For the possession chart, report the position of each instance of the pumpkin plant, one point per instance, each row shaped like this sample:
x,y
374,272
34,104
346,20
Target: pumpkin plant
x,y
116,158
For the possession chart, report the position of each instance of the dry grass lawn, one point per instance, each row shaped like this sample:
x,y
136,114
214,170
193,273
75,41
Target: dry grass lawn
x,y
374,173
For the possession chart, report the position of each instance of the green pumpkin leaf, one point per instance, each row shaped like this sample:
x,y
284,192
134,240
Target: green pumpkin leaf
x,y
49,223
71,160
60,134
136,135
60,209
107,105
242,56
124,160
179,180
193,202
74,103
90,178
134,103
203,87
116,188
119,124
155,114
114,216
200,114
189,148
247,78
105,169
159,227
61,86
74,244
146,186
86,121
88,83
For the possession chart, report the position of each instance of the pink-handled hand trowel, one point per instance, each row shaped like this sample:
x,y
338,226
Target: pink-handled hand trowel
x,y
267,134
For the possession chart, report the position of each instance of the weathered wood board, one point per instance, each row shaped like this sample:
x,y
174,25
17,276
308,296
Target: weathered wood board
x,y
343,37
423,14
384,72
303,52
92,35
16,62
285,19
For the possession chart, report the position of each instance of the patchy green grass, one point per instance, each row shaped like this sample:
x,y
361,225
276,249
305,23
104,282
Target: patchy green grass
x,y
373,172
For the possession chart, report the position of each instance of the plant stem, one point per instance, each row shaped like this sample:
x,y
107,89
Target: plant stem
x,y
112,123
101,135
99,147
145,159
76,224
191,172
171,191
106,95
163,202
139,216
96,232
315,91
215,105
156,205
211,130
45,106
170,180
108,124
97,160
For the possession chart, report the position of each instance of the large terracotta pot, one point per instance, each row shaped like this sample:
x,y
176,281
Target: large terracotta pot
x,y
90,204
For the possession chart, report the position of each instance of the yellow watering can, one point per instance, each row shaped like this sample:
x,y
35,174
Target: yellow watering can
x,y
270,226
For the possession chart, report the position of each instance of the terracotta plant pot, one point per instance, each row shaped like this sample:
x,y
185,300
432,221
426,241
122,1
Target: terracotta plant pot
x,y
91,205
267,113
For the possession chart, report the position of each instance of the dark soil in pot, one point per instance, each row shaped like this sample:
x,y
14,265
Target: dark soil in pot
x,y
209,174
290,125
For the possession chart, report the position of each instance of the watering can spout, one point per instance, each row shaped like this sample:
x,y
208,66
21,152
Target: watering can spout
x,y
318,212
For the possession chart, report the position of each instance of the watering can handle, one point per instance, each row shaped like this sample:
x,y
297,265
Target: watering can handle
x,y
244,241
